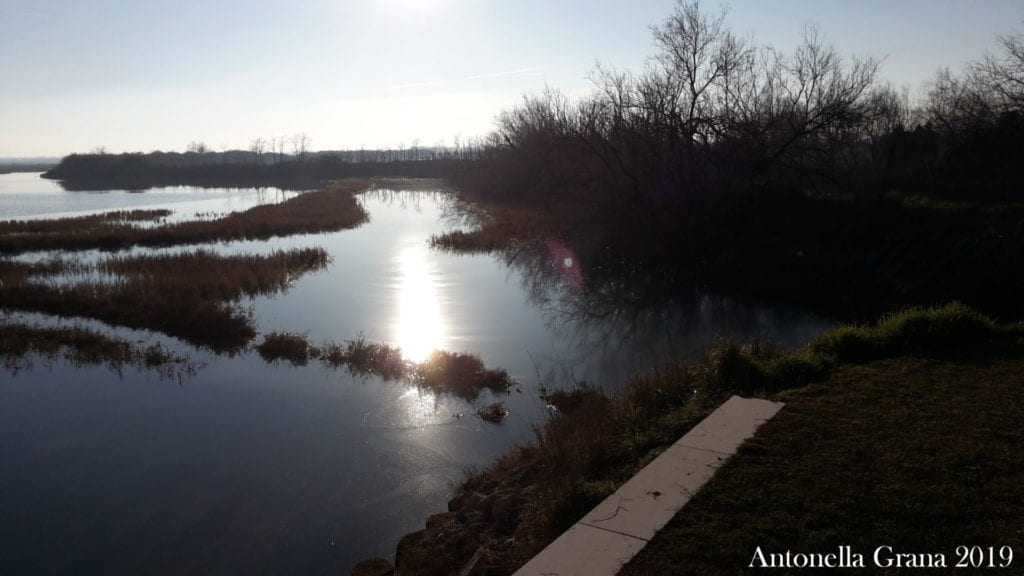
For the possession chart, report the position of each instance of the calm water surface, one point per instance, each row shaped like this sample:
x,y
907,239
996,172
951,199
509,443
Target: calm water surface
x,y
249,467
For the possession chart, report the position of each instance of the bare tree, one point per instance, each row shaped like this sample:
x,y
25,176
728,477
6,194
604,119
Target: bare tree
x,y
300,145
955,104
1002,73
258,146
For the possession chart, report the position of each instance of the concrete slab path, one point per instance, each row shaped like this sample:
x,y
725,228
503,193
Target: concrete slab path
x,y
620,526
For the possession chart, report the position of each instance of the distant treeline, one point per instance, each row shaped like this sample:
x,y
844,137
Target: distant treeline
x,y
736,168
25,167
247,168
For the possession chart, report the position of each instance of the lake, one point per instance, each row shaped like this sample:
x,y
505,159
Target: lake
x,y
250,467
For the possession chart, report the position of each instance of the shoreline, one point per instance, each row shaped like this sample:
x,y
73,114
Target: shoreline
x,y
501,517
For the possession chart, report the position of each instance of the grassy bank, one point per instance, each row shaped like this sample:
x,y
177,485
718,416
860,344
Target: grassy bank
x,y
922,455
193,295
595,442
327,210
21,343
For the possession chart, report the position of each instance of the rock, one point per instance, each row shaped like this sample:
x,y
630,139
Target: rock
x,y
465,500
505,512
493,413
445,543
472,518
374,567
442,522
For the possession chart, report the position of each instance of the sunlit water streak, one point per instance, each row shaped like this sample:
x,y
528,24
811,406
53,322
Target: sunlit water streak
x,y
420,327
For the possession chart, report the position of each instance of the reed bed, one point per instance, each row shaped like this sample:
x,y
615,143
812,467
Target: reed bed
x,y
193,296
286,346
333,208
79,224
499,228
19,342
494,413
462,375
367,358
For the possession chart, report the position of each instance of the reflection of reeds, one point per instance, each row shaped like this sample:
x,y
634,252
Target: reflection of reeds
x,y
462,375
79,346
192,296
332,208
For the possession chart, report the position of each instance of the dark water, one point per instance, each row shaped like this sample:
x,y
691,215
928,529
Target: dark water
x,y
247,467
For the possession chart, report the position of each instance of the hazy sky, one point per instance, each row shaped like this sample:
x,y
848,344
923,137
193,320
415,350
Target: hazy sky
x,y
156,74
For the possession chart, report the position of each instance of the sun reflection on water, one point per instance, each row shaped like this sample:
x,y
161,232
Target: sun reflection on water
x,y
420,327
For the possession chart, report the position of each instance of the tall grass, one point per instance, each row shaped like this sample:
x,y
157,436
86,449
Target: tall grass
x,y
459,374
20,342
500,227
79,224
193,295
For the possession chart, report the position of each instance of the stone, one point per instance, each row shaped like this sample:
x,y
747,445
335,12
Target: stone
x,y
505,511
584,551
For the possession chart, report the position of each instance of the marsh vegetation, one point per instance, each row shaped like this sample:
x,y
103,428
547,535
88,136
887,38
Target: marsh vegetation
x,y
595,441
21,344
327,210
190,295
726,176
459,374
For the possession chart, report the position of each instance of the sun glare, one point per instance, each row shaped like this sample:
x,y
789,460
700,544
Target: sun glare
x,y
415,5
419,329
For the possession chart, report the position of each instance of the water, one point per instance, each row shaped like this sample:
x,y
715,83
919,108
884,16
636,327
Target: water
x,y
26,196
249,467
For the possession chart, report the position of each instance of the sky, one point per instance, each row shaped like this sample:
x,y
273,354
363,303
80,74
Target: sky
x,y
142,75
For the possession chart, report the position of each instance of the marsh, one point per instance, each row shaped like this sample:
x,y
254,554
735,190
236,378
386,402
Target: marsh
x,y
250,465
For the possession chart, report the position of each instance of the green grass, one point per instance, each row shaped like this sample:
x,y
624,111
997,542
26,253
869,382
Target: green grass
x,y
953,331
919,454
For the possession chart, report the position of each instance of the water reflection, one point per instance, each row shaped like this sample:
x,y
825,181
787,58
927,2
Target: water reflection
x,y
614,320
420,327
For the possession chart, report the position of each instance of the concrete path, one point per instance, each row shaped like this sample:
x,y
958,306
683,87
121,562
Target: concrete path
x,y
620,526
